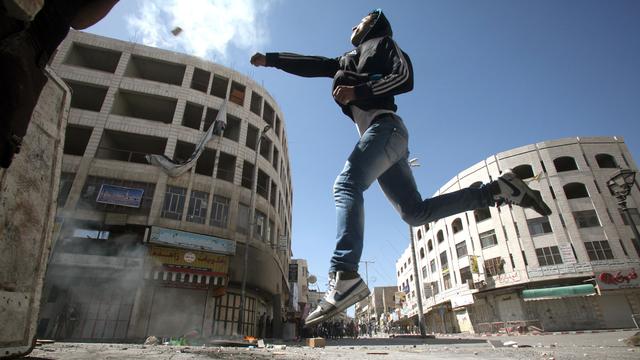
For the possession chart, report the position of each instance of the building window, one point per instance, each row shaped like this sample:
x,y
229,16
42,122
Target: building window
x,y
539,226
256,103
482,214
173,202
446,281
219,86
197,212
493,267
606,161
598,250
440,236
421,253
237,93
456,225
260,227
548,256
575,191
524,171
419,234
565,163
444,261
433,266
220,211
586,218
465,275
430,245
461,249
242,224
200,80
424,272
633,212
488,239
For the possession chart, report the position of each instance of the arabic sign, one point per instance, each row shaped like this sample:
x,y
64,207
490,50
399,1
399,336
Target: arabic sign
x,y
566,253
618,279
473,264
461,300
189,240
118,195
207,263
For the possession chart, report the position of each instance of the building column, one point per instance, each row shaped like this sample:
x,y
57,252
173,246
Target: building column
x,y
276,300
141,312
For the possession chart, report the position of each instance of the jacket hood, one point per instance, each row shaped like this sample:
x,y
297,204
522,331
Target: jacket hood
x,y
381,27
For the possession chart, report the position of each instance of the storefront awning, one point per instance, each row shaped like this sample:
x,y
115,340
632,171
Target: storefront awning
x,y
558,292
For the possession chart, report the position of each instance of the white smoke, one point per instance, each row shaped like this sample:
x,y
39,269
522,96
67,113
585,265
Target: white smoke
x,y
210,28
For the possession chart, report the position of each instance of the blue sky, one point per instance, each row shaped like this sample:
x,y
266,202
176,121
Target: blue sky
x,y
489,76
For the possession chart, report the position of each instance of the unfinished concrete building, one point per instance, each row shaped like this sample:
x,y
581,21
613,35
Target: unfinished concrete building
x,y
138,252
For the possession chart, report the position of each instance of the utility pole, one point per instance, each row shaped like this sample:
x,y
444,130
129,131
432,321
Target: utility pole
x,y
366,270
423,332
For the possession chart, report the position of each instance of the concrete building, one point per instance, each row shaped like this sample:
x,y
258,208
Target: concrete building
x,y
378,306
506,268
141,253
299,286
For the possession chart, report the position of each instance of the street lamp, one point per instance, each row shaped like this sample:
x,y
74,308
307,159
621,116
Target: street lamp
x,y
423,332
252,214
620,186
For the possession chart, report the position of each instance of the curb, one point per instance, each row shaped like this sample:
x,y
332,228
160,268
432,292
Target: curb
x,y
538,333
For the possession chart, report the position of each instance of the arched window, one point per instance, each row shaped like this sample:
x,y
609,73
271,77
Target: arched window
x,y
456,225
523,171
430,245
419,234
482,214
575,191
565,163
421,253
440,236
606,161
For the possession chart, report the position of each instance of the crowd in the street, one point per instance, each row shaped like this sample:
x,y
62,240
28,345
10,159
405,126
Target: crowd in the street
x,y
338,329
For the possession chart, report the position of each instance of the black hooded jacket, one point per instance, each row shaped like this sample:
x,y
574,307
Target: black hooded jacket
x,y
377,68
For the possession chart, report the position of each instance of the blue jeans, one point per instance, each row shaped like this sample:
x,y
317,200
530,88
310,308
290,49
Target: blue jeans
x,y
382,154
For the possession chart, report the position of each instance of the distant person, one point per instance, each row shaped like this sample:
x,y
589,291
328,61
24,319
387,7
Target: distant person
x,y
365,81
25,49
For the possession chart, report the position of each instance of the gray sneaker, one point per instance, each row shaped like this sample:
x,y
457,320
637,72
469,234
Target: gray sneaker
x,y
341,294
515,191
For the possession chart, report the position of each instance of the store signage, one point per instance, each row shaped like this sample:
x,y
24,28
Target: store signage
x,y
207,263
461,300
566,253
621,279
193,241
119,195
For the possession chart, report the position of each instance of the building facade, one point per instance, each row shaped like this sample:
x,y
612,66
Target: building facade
x,y
138,252
378,307
507,268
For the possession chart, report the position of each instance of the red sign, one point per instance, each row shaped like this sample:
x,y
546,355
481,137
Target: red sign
x,y
623,279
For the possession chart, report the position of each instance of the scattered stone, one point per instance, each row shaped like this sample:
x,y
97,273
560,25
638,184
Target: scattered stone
x,y
316,342
261,343
633,340
510,343
152,340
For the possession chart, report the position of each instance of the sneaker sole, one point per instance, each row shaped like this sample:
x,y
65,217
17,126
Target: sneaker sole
x,y
535,198
345,304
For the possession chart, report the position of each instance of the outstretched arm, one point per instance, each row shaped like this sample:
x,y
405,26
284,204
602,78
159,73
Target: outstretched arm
x,y
301,65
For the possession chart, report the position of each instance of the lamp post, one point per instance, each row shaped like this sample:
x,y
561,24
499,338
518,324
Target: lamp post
x,y
252,214
620,186
423,332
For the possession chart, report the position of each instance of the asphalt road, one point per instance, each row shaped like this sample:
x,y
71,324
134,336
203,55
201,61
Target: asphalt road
x,y
579,346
